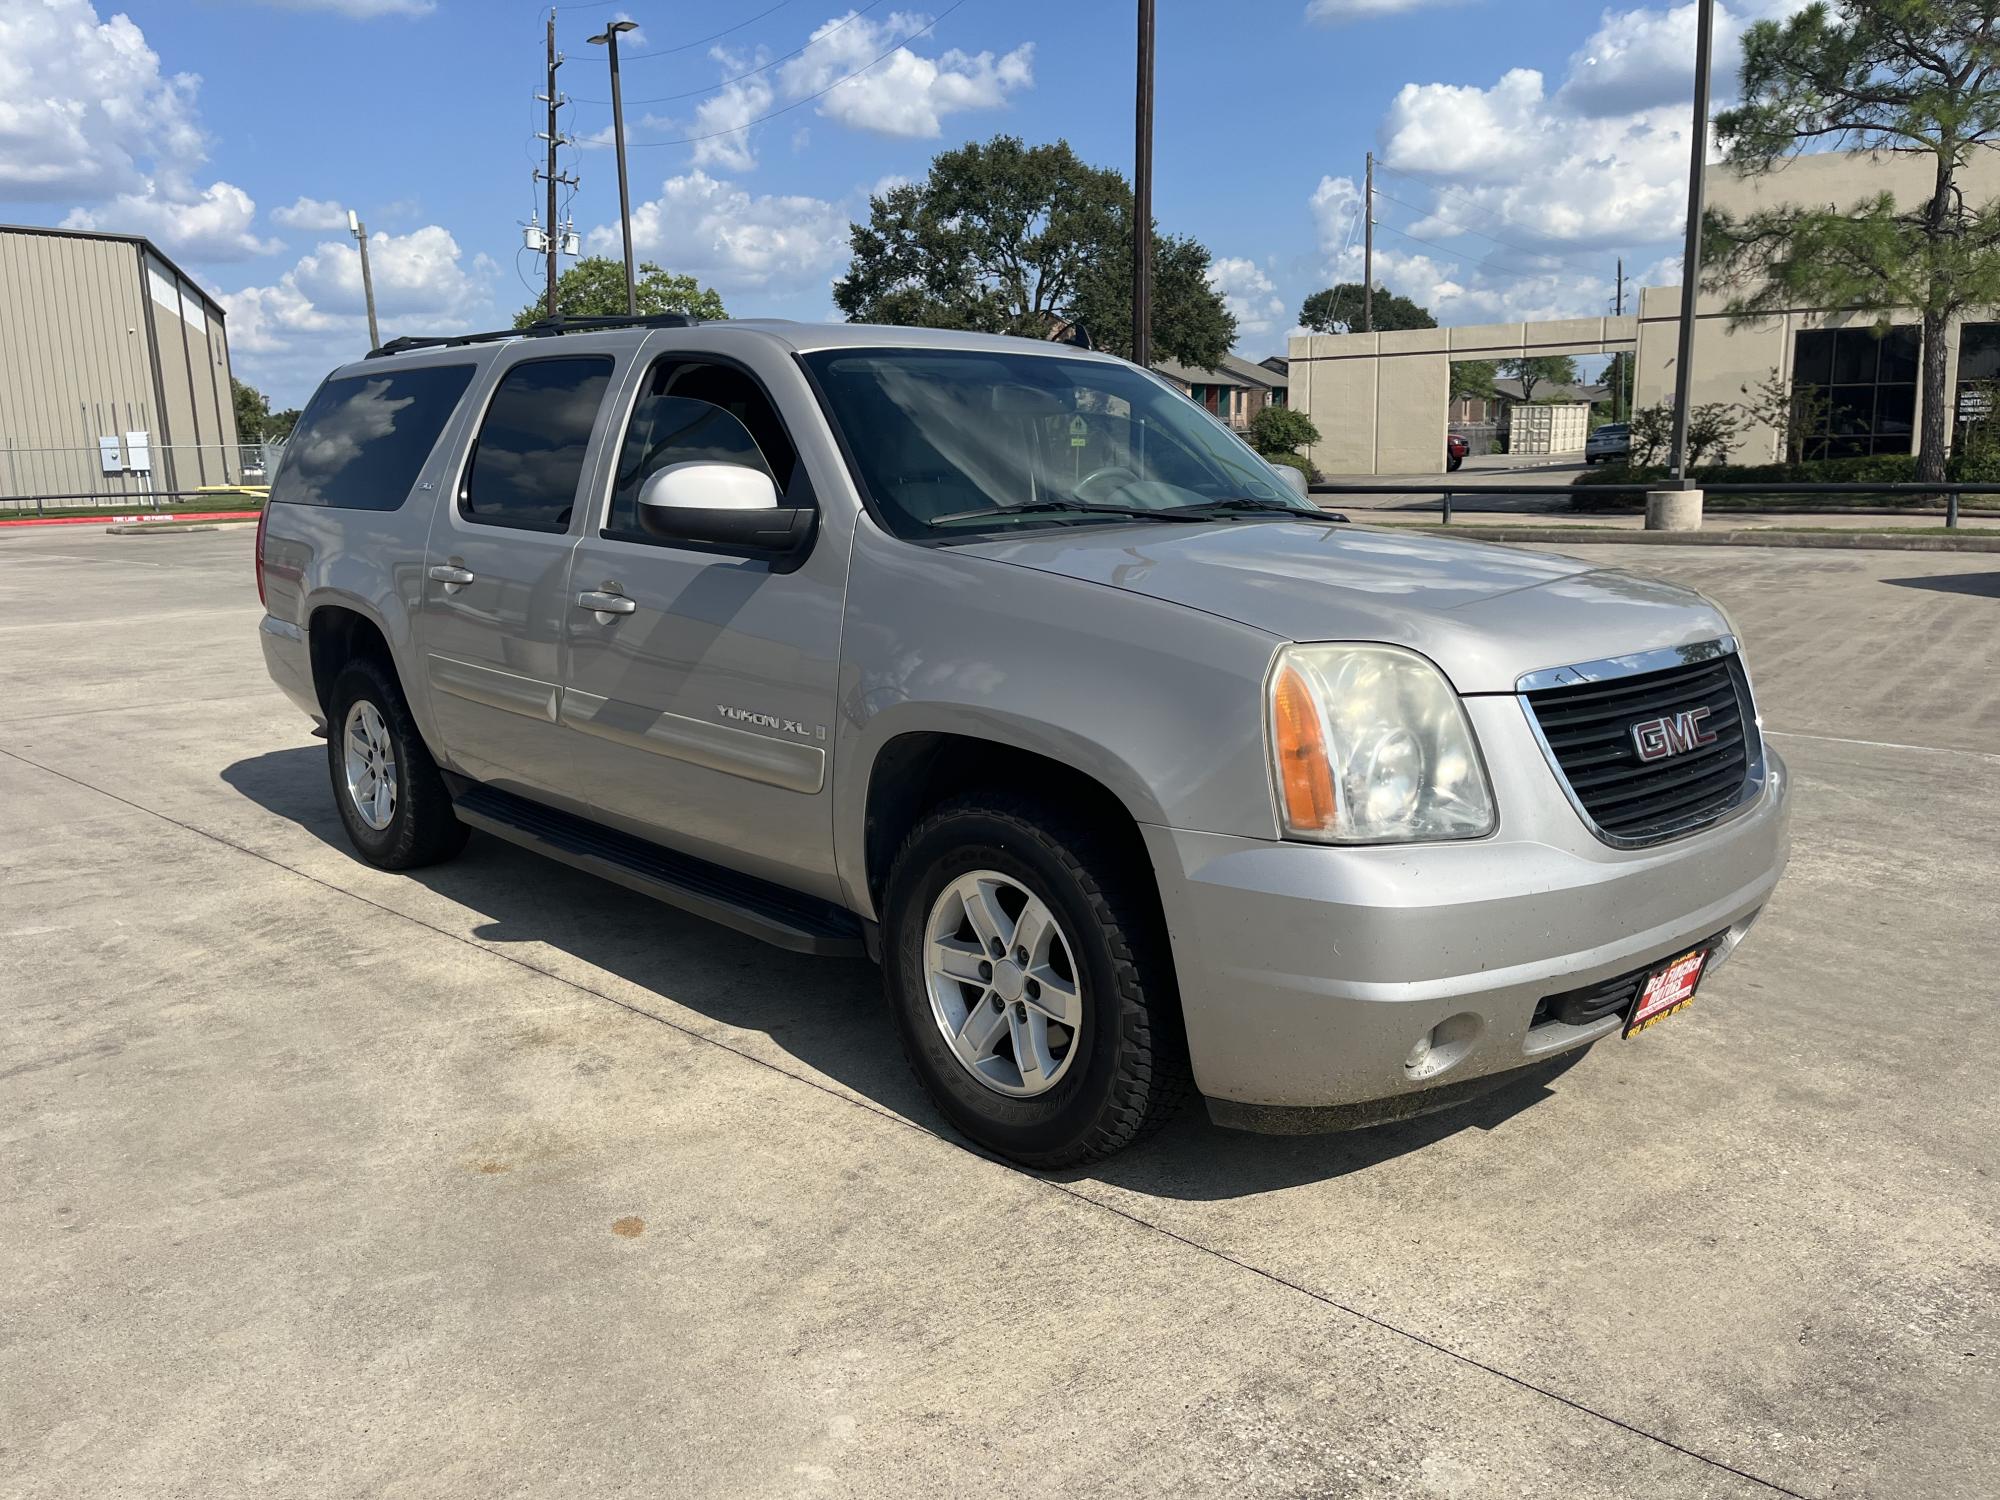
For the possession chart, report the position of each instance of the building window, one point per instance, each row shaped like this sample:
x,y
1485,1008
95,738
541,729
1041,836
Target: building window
x,y
1867,387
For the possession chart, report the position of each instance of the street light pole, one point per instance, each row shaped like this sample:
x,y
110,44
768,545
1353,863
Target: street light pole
x,y
1142,197
360,232
1691,252
610,39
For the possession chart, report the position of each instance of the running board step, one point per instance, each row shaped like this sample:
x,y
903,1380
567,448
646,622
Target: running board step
x,y
782,917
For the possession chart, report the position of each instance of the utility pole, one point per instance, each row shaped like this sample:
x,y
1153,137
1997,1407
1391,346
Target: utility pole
x,y
1368,250
1617,360
1142,196
553,176
609,38
360,232
1691,253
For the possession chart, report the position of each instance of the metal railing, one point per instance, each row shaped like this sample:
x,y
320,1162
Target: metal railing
x,y
1448,493
145,476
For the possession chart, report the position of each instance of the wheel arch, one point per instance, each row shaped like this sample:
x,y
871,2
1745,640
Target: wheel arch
x,y
918,769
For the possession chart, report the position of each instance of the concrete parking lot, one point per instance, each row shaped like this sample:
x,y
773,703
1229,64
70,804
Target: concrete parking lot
x,y
499,1180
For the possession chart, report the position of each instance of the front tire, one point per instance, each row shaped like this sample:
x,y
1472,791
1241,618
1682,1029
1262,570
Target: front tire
x,y
392,800
1029,978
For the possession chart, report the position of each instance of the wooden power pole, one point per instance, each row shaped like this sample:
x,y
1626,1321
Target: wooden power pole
x,y
1368,249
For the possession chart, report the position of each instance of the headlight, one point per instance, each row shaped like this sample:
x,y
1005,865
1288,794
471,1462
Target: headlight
x,y
1371,746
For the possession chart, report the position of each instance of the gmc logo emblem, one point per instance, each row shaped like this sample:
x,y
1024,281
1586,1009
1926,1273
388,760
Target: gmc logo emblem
x,y
1675,734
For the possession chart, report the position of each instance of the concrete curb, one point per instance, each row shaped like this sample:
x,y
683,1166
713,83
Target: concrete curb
x,y
157,530
134,521
1849,541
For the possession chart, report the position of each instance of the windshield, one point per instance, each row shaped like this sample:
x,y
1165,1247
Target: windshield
x,y
953,441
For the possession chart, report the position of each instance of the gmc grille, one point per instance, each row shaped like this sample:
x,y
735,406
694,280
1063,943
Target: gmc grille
x,y
1588,728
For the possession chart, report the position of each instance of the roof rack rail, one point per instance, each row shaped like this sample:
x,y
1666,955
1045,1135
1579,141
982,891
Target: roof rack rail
x,y
546,328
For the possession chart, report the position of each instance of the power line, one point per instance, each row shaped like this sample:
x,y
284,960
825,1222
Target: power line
x,y
751,73
689,140
1459,254
711,37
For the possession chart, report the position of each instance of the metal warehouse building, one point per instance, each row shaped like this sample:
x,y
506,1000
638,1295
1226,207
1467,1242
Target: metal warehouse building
x,y
114,370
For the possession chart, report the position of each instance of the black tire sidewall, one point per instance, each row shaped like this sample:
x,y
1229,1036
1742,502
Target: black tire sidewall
x,y
1050,1124
358,682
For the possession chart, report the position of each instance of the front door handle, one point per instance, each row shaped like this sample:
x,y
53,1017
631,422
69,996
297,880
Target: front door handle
x,y
450,577
606,604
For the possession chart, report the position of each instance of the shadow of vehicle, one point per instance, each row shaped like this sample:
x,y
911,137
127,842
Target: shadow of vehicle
x,y
825,1013
1979,585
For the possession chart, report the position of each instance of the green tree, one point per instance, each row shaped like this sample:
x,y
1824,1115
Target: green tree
x,y
281,423
253,412
1712,427
1541,369
1798,413
595,288
1279,429
1002,237
1337,309
1917,77
1473,377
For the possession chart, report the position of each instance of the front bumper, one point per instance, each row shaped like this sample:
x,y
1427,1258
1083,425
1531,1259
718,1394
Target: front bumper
x,y
1309,974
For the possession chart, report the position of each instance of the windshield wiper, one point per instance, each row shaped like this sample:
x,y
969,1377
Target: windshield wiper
x,y
1242,504
1063,507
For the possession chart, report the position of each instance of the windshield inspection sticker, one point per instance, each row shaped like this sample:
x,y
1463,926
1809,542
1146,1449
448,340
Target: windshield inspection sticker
x,y
1078,431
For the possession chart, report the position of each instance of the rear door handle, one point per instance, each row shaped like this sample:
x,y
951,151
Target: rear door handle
x,y
606,604
451,577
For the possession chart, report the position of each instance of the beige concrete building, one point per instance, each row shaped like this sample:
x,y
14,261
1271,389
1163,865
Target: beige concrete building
x,y
114,370
1381,400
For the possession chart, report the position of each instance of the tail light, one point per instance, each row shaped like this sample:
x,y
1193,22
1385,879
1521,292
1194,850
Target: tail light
x,y
263,520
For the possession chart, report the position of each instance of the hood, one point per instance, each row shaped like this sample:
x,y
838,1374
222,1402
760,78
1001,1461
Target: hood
x,y
1485,613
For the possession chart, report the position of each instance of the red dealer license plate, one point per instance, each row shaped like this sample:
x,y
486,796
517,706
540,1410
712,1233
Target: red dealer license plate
x,y
1667,991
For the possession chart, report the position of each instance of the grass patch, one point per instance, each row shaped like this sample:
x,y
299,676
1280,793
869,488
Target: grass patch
x,y
205,506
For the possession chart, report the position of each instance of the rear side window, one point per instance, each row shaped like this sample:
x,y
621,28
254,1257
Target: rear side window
x,y
364,438
528,460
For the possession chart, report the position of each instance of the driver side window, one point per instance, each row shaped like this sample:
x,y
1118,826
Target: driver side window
x,y
691,411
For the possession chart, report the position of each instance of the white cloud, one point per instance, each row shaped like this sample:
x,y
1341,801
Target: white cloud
x,y
902,94
730,111
1249,294
311,213
83,104
87,117
358,10
214,226
1334,11
736,241
286,335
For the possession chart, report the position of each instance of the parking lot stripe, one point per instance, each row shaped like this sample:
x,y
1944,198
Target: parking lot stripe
x,y
1323,1299
1834,739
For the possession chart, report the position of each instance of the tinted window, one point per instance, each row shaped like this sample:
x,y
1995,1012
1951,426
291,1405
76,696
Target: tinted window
x,y
691,412
528,459
363,438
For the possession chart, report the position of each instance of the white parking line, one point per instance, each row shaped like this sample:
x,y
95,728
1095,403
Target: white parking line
x,y
1834,739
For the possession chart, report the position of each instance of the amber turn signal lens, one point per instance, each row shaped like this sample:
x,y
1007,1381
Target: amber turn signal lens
x,y
1304,775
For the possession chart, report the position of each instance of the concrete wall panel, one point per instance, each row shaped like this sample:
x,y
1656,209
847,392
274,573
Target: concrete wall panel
x,y
1410,414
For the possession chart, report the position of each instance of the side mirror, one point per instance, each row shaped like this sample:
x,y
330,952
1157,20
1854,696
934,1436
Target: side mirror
x,y
726,504
1294,478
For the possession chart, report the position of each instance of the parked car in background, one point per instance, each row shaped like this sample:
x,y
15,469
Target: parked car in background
x,y
1455,449
1611,443
1006,665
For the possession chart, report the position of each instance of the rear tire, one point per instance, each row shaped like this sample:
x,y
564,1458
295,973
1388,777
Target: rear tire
x,y
392,800
1121,1071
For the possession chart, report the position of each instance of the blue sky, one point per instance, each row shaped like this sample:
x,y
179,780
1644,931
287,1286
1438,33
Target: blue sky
x,y
1525,145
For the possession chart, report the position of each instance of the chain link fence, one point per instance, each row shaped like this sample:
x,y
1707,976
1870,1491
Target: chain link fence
x,y
127,473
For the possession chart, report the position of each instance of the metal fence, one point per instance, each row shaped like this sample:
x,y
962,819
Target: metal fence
x,y
1793,499
126,471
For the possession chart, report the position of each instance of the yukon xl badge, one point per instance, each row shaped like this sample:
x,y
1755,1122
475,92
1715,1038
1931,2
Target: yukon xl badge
x,y
767,721
1674,734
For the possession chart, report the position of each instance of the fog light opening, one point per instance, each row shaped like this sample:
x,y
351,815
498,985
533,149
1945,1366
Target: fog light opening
x,y
1443,1047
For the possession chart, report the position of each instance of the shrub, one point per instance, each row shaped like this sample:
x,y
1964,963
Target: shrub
x,y
1294,461
1879,468
1279,429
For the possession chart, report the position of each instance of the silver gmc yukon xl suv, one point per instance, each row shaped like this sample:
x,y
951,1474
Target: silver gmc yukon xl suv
x,y
1007,665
